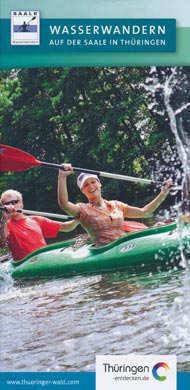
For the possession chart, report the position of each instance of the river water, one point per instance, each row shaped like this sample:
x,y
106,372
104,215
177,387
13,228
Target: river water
x,y
62,324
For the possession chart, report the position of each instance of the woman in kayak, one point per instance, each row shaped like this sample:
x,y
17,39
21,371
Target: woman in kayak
x,y
23,234
102,219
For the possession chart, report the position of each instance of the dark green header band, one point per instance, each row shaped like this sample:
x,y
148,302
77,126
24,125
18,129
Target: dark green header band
x,y
91,36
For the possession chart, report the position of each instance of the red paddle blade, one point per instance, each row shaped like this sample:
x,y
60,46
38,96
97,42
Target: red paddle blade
x,y
13,159
133,226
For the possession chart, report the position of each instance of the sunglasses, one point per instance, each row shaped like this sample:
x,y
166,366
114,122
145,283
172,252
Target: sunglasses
x,y
13,202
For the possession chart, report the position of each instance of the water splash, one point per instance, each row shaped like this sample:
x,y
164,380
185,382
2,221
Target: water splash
x,y
182,141
172,87
168,91
183,147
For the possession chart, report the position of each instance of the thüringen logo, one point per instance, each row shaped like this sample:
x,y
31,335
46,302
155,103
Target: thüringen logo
x,y
156,368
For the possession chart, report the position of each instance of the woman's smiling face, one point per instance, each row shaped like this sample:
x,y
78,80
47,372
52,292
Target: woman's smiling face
x,y
91,188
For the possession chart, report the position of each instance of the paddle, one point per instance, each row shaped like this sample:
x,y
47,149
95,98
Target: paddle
x,y
40,213
13,160
128,226
34,17
133,226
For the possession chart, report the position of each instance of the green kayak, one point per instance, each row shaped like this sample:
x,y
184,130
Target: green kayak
x,y
153,247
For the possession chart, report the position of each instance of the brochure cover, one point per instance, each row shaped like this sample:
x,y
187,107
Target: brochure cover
x,y
102,86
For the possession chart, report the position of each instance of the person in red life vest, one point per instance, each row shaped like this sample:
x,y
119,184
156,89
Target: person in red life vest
x,y
23,234
102,219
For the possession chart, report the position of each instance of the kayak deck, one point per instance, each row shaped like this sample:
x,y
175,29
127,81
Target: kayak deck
x,y
153,247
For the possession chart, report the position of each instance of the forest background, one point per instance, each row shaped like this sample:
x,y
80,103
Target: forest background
x,y
102,118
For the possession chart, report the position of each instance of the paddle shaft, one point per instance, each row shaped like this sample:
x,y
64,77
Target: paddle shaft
x,y
40,213
103,174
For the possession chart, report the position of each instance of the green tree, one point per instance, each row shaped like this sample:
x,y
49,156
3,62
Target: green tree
x,y
103,118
